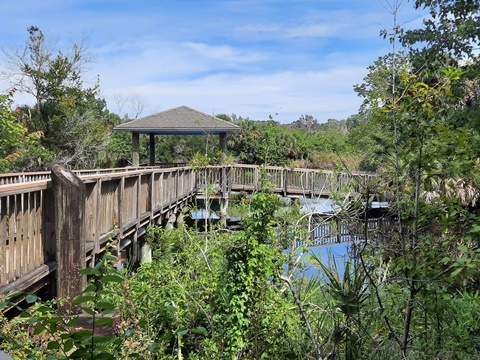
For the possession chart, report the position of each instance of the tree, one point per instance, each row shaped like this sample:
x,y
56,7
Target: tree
x,y
451,30
425,152
307,122
17,145
70,115
450,37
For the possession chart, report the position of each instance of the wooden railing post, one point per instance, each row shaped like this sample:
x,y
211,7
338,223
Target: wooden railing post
x,y
98,187
69,195
223,196
312,184
339,230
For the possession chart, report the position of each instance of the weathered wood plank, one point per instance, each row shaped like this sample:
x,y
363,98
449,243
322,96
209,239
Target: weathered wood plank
x,y
21,233
3,240
37,230
120,205
11,267
98,211
48,224
29,279
69,193
20,188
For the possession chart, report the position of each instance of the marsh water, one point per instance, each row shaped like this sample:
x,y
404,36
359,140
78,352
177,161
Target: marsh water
x,y
329,254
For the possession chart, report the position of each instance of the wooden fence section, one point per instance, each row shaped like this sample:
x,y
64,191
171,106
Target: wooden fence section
x,y
15,178
117,205
301,182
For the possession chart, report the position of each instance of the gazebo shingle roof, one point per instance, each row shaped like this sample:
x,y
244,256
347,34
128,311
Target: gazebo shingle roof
x,y
181,120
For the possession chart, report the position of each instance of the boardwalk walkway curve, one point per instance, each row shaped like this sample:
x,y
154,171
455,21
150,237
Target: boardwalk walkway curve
x,y
119,204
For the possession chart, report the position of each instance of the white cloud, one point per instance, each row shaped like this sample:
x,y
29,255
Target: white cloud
x,y
322,94
225,53
248,57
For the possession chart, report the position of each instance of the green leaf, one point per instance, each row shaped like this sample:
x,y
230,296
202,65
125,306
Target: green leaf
x,y
83,299
142,322
43,309
80,354
81,334
87,271
152,347
13,294
462,248
88,310
25,314
90,288
38,329
73,321
4,304
104,321
33,320
52,345
108,311
31,298
105,304
171,308
112,278
199,330
456,272
68,345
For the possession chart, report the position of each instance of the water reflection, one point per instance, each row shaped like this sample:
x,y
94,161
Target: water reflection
x,y
338,253
202,214
320,205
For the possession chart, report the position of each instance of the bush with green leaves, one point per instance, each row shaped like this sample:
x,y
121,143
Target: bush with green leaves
x,y
85,328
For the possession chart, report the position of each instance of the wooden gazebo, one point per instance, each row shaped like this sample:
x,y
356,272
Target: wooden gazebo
x,y
181,120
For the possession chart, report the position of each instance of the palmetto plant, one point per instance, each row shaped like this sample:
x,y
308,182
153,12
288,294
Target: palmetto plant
x,y
348,295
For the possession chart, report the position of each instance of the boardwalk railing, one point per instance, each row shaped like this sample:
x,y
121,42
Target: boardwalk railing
x,y
15,178
118,204
286,181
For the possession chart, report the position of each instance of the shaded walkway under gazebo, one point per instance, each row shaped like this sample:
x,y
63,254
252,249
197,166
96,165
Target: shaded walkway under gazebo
x,y
181,120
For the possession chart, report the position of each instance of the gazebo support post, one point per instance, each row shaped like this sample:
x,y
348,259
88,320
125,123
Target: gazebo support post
x,y
223,144
152,149
135,149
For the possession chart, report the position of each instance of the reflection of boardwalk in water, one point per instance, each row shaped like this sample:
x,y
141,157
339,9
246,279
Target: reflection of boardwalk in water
x,y
336,231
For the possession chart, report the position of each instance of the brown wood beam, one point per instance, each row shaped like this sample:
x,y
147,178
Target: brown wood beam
x,y
135,149
223,144
152,149
29,279
69,195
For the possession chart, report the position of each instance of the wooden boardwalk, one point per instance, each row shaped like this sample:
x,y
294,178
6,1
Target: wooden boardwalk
x,y
119,204
241,178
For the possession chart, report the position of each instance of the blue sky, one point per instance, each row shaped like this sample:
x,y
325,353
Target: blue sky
x,y
254,58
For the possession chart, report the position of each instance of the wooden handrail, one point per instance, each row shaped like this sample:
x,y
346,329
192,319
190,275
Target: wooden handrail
x,y
121,202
